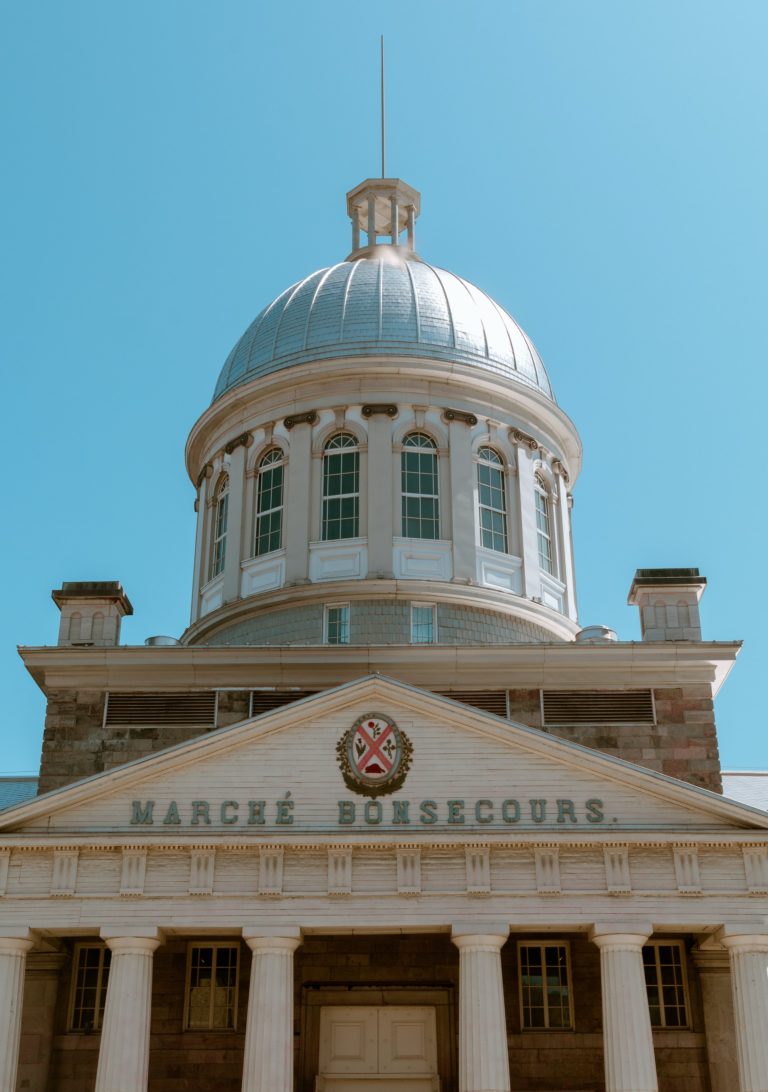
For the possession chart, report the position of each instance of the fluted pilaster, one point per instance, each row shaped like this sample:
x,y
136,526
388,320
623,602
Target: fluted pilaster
x,y
483,1050
749,976
268,1062
124,1051
630,1065
13,959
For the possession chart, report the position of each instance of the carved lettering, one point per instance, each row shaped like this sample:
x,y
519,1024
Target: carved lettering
x,y
346,811
201,812
428,810
142,813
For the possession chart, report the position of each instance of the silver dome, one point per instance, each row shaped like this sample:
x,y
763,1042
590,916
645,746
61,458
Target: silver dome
x,y
384,306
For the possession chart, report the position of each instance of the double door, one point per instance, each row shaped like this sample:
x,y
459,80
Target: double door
x,y
378,1048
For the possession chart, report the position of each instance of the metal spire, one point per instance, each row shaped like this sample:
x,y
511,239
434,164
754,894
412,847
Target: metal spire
x,y
383,175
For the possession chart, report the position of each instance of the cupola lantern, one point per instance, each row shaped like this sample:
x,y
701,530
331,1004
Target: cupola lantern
x,y
382,207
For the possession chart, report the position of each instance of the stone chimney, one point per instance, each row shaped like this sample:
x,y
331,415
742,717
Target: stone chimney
x,y
669,603
91,612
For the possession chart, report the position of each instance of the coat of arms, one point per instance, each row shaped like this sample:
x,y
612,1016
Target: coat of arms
x,y
374,756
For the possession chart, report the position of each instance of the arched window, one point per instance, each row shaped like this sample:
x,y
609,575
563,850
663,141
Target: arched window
x,y
341,488
420,503
543,526
491,500
269,503
219,542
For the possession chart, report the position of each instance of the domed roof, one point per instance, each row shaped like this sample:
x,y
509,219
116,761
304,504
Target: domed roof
x,y
384,305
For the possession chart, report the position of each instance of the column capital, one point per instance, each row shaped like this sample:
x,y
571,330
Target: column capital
x,y
745,938
625,934
130,939
282,939
492,936
17,941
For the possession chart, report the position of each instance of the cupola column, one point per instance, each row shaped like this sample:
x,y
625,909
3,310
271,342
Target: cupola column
x,y
371,219
234,547
462,501
395,219
199,575
299,478
563,516
380,496
528,534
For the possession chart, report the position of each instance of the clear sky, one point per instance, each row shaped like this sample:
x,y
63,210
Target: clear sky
x,y
599,167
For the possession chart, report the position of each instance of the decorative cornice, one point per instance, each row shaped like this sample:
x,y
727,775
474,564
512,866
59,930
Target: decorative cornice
x,y
459,415
389,409
243,440
308,418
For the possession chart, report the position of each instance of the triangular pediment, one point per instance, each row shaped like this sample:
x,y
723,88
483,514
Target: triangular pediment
x,y
454,771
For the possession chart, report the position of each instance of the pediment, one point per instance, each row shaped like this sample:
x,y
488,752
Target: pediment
x,y
446,770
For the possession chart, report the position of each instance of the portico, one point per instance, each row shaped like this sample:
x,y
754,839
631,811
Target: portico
x,y
564,946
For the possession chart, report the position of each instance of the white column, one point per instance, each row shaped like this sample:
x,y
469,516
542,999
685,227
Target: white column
x,y
562,514
124,1051
462,501
483,1049
13,959
630,1065
268,1062
299,477
528,535
381,518
714,970
198,575
234,546
749,976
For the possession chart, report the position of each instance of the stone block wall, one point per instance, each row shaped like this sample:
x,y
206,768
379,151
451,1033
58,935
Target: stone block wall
x,y
682,743
378,970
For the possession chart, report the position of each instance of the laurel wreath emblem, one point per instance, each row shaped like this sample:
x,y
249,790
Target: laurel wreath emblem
x,y
382,788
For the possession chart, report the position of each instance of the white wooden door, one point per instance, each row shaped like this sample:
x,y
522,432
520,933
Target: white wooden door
x,y
366,1048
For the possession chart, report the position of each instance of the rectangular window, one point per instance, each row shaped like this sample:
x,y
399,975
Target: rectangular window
x,y
665,983
90,973
341,491
544,532
211,1003
337,625
423,626
545,991
420,511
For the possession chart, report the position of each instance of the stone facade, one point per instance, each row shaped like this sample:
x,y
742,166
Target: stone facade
x,y
682,743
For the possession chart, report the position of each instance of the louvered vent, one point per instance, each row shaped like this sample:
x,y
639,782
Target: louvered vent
x,y
598,707
490,701
197,708
264,700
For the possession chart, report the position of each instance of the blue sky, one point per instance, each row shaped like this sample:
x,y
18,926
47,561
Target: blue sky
x,y
598,167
